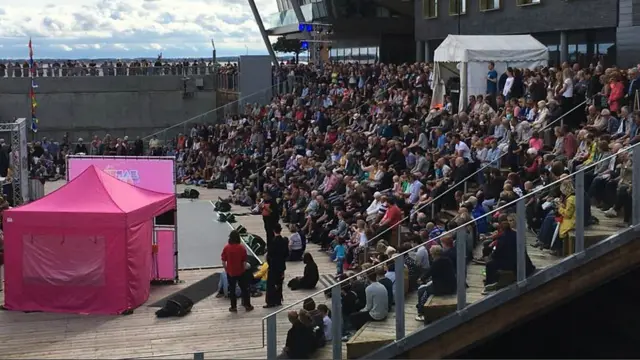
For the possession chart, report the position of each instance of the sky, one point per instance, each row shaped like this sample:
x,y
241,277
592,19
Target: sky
x,y
130,28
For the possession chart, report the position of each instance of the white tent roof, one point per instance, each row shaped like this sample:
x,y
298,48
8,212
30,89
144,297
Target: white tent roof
x,y
509,48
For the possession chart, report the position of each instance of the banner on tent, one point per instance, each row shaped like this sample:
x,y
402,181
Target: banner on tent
x,y
151,173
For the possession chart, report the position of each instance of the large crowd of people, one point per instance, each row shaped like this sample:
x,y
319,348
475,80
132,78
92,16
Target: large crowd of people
x,y
356,151
357,148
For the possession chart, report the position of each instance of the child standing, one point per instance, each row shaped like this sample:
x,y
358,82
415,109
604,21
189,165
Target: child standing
x,y
340,253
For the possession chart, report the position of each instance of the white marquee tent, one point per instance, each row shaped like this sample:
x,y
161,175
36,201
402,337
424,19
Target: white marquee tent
x,y
471,55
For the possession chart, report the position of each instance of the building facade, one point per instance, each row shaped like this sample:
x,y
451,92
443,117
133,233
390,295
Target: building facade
x,y
361,30
574,30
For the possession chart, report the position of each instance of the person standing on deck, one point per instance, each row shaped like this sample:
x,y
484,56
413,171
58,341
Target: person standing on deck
x,y
234,261
270,215
277,254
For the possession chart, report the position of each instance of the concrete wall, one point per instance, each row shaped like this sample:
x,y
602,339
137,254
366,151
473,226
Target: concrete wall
x,y
121,105
553,15
254,80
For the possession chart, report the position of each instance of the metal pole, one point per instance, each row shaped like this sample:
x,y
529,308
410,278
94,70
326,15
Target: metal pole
x,y
461,272
521,240
459,3
263,31
635,197
579,245
336,321
272,338
399,295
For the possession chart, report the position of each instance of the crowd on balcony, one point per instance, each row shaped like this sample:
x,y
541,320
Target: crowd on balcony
x,y
351,156
141,67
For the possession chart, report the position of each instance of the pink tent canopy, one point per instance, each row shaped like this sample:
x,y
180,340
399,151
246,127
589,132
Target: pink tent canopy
x,y
85,248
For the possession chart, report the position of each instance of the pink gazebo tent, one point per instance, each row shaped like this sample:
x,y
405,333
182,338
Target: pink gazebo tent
x,y
85,248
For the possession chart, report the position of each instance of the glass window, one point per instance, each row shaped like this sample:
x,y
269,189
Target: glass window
x,y
340,53
603,48
333,53
347,52
372,52
528,2
552,47
457,5
429,9
355,52
486,5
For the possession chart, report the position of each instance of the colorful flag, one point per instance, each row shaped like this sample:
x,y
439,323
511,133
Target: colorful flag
x,y
32,92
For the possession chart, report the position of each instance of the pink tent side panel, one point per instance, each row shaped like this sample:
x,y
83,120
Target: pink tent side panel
x,y
166,250
71,271
139,248
64,261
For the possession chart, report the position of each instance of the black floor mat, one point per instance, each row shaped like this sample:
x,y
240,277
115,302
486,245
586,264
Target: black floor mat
x,y
196,292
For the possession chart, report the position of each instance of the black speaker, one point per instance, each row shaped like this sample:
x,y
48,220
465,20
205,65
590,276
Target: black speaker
x,y
178,305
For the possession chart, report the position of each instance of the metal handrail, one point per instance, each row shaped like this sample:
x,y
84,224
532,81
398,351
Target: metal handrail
x,y
464,181
452,231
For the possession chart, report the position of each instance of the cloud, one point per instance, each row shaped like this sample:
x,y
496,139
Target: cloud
x,y
136,28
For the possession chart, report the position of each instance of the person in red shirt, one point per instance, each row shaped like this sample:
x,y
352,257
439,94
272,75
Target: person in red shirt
x,y
234,260
392,216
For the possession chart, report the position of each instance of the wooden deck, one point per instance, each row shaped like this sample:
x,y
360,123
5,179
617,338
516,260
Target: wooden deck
x,y
210,328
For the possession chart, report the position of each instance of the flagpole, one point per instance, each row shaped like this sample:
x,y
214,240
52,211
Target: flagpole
x,y
32,93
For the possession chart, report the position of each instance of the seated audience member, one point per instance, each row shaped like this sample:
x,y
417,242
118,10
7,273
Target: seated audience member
x,y
326,322
296,244
504,256
223,286
317,321
386,282
260,277
443,279
301,341
310,277
377,304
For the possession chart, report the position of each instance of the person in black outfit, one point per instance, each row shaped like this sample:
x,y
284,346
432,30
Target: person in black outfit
x,y
310,277
300,338
504,257
5,161
270,215
81,148
277,254
443,279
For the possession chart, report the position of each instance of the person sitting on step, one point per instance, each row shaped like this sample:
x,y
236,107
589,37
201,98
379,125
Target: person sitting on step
x,y
377,306
310,278
443,279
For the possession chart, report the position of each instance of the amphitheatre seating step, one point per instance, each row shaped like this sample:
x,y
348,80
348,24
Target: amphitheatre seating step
x,y
364,342
376,334
438,307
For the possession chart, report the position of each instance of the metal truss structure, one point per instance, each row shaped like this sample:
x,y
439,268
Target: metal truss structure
x,y
19,174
